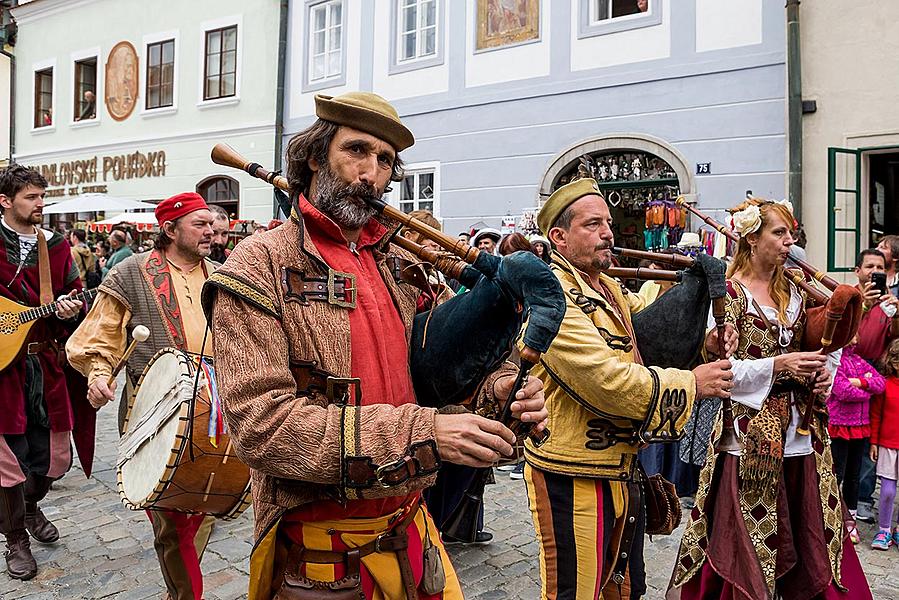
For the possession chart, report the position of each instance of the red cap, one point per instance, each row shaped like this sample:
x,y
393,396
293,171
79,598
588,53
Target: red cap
x,y
274,223
179,205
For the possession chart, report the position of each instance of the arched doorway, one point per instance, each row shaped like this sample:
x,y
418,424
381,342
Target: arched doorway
x,y
635,172
221,190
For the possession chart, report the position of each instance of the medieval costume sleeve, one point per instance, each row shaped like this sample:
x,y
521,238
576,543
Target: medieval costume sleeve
x,y
99,343
304,437
584,359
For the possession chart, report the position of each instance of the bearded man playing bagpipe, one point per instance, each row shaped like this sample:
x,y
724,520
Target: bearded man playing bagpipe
x,y
312,331
584,483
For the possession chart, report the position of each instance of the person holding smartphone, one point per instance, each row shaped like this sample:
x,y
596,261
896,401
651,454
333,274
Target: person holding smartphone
x,y
878,325
877,329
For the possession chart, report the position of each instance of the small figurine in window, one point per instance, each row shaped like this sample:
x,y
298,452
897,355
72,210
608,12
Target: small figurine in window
x,y
637,168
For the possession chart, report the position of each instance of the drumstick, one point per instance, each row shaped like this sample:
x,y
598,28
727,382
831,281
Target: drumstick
x,y
139,334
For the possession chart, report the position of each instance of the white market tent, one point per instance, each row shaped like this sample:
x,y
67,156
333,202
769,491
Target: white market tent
x,y
96,203
130,217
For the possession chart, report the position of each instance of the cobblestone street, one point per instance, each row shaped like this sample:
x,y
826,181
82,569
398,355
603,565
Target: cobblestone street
x,y
106,551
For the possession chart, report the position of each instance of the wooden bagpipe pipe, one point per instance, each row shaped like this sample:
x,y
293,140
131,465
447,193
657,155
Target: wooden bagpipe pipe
x,y
830,324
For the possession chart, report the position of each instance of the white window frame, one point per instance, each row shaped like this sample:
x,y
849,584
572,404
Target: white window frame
x,y
155,38
334,80
232,21
49,63
589,25
98,92
400,65
415,170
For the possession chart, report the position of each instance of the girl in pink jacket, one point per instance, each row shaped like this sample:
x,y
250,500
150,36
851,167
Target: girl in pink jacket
x,y
849,405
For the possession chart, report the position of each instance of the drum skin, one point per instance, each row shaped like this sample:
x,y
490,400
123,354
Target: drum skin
x,y
164,473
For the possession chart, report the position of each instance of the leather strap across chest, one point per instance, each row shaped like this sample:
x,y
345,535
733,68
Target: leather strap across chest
x,y
335,288
43,265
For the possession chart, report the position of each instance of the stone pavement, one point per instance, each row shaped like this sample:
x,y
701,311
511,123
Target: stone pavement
x,y
106,551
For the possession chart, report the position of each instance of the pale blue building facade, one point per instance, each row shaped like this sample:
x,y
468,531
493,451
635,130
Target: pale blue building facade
x,y
699,84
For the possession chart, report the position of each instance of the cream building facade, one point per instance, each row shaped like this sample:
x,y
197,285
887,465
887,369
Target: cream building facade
x,y
5,109
169,80
850,57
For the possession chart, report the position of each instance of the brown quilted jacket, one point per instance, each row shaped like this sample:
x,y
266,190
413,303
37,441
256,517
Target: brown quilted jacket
x,y
297,445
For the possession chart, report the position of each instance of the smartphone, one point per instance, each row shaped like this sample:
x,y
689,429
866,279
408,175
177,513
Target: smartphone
x,y
879,279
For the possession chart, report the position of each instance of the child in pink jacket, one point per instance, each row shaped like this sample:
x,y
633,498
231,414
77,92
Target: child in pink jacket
x,y
850,426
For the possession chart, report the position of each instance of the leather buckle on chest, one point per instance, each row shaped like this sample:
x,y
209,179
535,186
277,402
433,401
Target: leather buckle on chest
x,y
337,288
341,289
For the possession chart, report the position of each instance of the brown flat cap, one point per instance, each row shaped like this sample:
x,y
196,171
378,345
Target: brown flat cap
x,y
366,112
561,199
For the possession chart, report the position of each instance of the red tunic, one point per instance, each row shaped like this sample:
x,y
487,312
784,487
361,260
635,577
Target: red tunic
x,y
24,289
380,354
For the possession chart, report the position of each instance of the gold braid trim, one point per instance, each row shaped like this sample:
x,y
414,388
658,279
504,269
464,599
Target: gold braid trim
x,y
349,440
242,289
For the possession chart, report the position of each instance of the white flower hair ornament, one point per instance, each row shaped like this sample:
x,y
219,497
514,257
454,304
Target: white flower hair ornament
x,y
786,203
748,220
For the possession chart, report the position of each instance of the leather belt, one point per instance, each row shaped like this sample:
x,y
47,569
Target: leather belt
x,y
312,379
629,531
38,347
406,271
395,541
422,459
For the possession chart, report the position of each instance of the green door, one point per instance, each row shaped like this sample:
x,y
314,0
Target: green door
x,y
844,169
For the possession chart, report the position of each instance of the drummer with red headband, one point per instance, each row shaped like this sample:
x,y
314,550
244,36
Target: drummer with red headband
x,y
160,290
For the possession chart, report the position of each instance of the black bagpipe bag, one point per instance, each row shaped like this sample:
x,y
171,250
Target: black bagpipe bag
x,y
457,344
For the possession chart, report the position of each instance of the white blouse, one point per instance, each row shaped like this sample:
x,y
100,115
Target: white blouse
x,y
753,378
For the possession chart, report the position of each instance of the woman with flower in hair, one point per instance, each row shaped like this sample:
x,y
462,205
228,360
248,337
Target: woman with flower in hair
x,y
768,519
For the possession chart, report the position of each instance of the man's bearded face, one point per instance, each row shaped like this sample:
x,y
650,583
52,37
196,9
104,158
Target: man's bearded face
x,y
344,202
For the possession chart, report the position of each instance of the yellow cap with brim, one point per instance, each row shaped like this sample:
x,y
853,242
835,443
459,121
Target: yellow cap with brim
x,y
561,199
366,112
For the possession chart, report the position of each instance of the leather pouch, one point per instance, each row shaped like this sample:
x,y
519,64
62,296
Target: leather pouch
x,y
433,577
663,510
348,587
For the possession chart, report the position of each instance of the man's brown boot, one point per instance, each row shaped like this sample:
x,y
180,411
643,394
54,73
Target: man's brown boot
x,y
40,528
20,562
38,525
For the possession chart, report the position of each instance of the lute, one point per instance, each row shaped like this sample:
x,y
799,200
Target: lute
x,y
16,321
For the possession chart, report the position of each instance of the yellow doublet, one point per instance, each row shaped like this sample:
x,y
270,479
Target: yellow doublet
x,y
598,397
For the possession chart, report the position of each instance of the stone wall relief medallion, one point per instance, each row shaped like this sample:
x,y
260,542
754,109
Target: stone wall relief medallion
x,y
122,81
